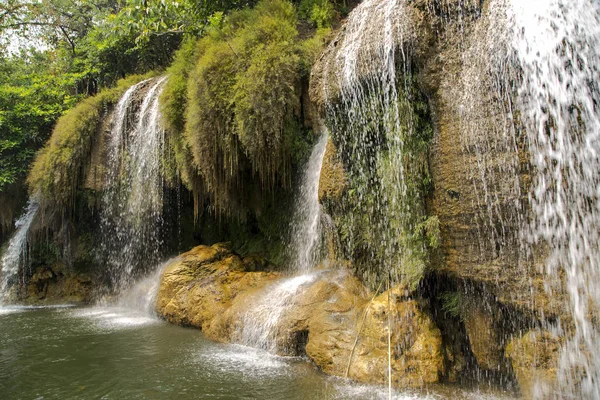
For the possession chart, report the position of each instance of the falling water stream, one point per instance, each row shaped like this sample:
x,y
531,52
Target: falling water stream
x,y
556,45
15,256
540,59
132,203
306,232
366,81
261,321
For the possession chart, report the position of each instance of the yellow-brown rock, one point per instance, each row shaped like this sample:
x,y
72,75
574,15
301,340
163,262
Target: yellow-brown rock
x,y
209,289
332,181
200,285
535,358
59,284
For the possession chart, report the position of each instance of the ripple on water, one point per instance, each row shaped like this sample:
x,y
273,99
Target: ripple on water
x,y
11,309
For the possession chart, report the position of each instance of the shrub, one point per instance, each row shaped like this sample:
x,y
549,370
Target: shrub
x,y
320,12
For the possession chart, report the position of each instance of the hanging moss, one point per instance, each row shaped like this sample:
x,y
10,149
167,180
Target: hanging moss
x,y
238,118
58,167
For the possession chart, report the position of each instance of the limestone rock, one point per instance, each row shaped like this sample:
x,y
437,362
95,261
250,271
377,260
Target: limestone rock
x,y
332,182
535,358
58,284
208,288
200,284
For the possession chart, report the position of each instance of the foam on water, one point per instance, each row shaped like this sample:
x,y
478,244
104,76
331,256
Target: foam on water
x,y
245,359
112,318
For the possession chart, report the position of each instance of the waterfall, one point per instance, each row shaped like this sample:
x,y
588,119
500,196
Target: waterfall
x,y
366,84
132,203
261,324
15,256
556,46
538,62
306,234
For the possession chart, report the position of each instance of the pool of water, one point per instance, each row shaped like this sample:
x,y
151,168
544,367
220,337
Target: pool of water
x,y
110,353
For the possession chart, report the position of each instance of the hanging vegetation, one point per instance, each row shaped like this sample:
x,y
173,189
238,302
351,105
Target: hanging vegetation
x,y
240,87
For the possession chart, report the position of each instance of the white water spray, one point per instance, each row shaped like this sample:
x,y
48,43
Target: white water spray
x,y
306,232
556,45
132,204
262,322
15,256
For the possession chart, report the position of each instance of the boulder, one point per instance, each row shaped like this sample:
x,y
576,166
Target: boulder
x,y
200,285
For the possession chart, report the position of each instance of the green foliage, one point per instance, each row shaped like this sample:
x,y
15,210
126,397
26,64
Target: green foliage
x,y
31,100
240,87
311,49
430,230
59,166
452,303
320,12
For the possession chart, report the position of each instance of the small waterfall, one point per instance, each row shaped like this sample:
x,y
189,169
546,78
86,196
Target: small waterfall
x,y
132,203
262,323
306,237
556,46
15,256
366,87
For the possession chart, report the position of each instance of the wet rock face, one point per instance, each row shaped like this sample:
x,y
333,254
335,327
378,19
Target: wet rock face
x,y
58,284
333,181
535,360
478,160
332,318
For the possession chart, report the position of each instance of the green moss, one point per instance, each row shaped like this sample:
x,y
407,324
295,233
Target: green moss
x,y
59,165
429,230
233,105
382,221
173,103
452,303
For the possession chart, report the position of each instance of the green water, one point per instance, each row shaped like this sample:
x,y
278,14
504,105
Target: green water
x,y
106,353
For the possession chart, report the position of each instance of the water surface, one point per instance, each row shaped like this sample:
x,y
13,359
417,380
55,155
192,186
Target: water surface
x,y
111,353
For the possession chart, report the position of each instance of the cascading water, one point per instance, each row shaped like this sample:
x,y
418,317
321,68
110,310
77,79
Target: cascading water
x,y
132,203
556,47
262,322
367,92
306,237
15,256
540,61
